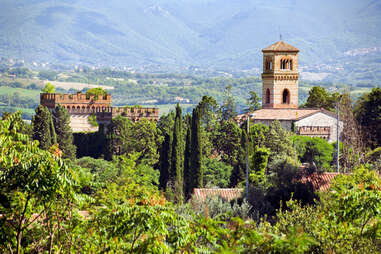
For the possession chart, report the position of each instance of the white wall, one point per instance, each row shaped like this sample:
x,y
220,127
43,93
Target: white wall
x,y
321,119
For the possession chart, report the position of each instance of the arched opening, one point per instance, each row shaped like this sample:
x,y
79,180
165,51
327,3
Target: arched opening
x,y
267,96
291,65
286,97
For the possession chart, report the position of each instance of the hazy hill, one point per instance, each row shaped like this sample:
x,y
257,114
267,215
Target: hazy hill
x,y
210,33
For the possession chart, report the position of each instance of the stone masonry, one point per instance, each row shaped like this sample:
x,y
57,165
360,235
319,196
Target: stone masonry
x,y
80,107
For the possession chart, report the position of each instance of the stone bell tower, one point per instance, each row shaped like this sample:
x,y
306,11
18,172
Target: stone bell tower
x,y
280,76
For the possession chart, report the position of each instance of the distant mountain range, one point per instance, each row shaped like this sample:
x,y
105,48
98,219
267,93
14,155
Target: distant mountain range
x,y
226,34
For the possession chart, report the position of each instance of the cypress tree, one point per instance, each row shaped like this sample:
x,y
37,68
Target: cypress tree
x,y
187,164
61,120
165,162
43,129
196,151
176,173
238,173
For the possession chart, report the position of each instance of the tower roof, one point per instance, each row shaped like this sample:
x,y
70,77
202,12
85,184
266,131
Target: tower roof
x,y
280,46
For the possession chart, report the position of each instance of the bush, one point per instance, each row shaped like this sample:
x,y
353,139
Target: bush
x,y
220,209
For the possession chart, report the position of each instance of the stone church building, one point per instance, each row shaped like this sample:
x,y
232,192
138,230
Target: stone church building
x,y
280,97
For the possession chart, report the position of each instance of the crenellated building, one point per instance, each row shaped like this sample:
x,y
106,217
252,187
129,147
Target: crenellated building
x,y
81,106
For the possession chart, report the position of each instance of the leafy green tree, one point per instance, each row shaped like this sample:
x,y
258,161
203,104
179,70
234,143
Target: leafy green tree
x,y
49,88
315,151
209,112
278,141
31,181
368,114
258,134
96,92
23,127
228,106
43,128
226,141
125,137
176,172
61,120
216,173
253,102
319,98
259,165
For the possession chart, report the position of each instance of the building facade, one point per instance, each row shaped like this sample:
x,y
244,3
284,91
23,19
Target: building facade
x,y
280,78
80,107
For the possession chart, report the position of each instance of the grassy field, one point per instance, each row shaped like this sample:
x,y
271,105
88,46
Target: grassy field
x,y
5,90
76,86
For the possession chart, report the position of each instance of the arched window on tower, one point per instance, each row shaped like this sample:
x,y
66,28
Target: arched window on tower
x,y
267,96
286,97
291,65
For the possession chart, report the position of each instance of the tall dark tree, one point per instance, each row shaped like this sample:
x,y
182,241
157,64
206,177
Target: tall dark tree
x,y
176,172
368,114
43,129
188,177
196,151
165,162
61,120
238,173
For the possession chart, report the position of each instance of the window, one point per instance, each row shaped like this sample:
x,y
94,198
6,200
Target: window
x,y
269,65
286,97
267,96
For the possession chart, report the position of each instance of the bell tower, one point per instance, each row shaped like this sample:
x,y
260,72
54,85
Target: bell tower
x,y
280,76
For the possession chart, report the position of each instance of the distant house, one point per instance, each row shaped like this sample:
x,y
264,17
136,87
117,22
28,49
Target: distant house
x,y
280,79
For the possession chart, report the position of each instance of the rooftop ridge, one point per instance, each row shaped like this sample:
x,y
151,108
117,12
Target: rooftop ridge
x,y
280,46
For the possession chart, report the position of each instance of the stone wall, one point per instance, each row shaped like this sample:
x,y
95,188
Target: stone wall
x,y
321,120
80,107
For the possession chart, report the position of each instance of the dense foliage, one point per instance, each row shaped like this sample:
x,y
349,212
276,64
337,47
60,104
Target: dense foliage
x,y
140,199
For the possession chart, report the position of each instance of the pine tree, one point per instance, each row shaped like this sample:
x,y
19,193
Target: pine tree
x,y
43,129
196,151
187,164
176,173
61,120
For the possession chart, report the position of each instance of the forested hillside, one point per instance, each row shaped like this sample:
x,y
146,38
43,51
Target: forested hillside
x,y
210,34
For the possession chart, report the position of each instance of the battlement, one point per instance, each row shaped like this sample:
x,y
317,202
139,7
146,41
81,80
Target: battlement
x,y
51,100
107,113
82,106
315,131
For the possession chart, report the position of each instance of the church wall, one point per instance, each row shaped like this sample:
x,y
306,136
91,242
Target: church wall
x,y
321,119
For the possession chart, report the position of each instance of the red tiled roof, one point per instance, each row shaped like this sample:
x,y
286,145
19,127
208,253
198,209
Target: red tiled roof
x,y
320,181
280,46
228,194
280,114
